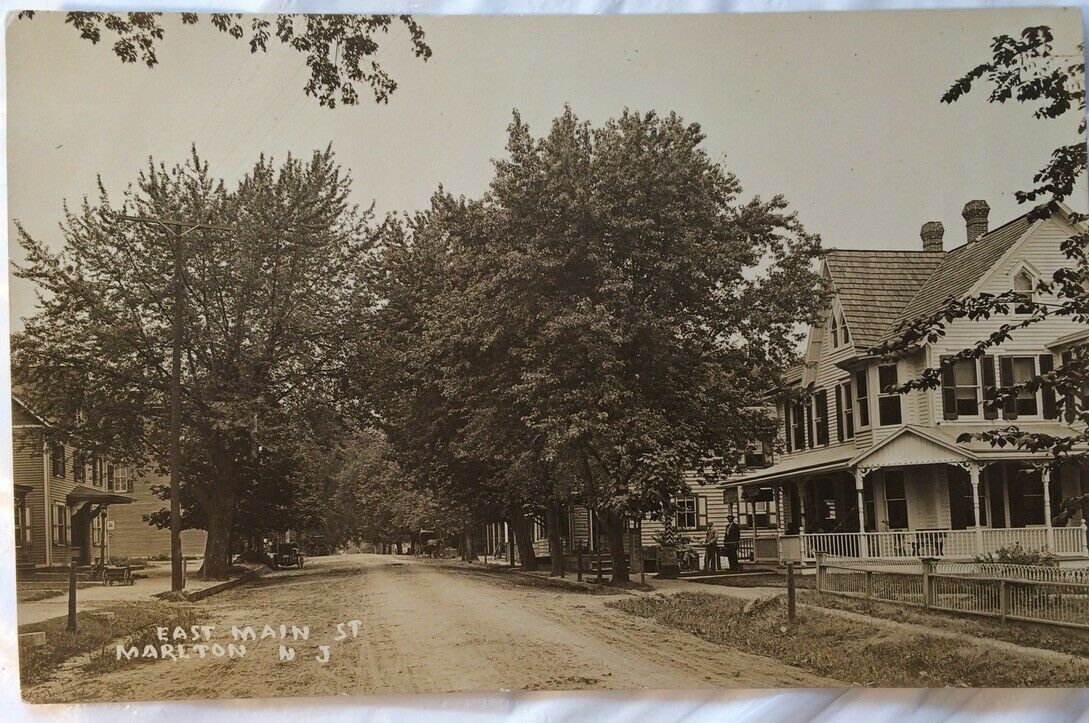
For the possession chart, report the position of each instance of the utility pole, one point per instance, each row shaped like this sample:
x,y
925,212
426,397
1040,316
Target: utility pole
x,y
178,230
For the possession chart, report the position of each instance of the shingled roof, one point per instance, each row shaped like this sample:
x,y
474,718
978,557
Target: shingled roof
x,y
874,286
961,268
879,290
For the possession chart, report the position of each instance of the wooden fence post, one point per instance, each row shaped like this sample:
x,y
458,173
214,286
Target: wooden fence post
x,y
72,594
580,561
869,584
820,571
791,604
928,590
1003,600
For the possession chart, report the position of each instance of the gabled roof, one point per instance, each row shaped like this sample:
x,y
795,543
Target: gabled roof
x,y
959,270
874,286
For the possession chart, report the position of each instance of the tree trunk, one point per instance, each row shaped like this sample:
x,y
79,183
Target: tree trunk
x,y
470,545
555,541
615,530
217,547
399,549
520,528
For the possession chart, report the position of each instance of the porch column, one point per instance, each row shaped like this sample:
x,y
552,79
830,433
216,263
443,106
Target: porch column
x,y
1045,477
863,541
973,471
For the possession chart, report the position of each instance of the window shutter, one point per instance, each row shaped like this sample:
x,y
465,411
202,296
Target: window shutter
x,y
821,403
949,390
1005,378
701,512
840,416
990,411
1047,394
1069,404
809,436
787,425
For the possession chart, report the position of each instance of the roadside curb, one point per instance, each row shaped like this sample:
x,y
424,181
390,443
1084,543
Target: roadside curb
x,y
196,595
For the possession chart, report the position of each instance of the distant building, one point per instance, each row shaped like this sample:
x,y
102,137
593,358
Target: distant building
x,y
65,500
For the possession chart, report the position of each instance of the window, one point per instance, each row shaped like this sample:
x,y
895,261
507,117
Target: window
x,y
1023,285
896,499
761,502
888,401
820,416
96,531
122,478
79,466
540,530
862,389
845,410
960,388
60,524
96,472
20,510
109,477
845,332
1032,496
756,455
868,506
834,331
57,458
687,513
962,502
1016,370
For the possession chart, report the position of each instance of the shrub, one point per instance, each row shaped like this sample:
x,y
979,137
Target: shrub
x,y
1016,555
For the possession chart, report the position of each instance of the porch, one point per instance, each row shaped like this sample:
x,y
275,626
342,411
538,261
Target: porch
x,y
917,494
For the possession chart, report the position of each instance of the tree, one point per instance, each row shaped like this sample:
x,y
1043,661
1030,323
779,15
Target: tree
x,y
270,307
339,49
606,317
1027,69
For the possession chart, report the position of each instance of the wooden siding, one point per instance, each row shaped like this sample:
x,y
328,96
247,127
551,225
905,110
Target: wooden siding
x,y
133,537
1040,249
28,469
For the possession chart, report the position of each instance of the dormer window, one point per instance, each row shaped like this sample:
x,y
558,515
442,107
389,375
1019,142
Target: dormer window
x,y
1023,284
837,330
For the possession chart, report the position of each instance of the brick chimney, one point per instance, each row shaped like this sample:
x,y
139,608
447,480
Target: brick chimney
x,y
975,219
931,234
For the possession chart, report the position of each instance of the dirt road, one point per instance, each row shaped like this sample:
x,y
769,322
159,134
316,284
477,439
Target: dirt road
x,y
426,626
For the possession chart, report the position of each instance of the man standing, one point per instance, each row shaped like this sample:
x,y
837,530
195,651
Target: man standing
x,y
710,548
731,541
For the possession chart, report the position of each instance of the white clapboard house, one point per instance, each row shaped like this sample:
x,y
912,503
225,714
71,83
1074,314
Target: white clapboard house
x,y
874,474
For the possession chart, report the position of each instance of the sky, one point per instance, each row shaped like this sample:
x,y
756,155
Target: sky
x,y
839,112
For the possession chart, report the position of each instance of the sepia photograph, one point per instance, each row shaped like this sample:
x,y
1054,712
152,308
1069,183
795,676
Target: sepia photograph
x,y
362,354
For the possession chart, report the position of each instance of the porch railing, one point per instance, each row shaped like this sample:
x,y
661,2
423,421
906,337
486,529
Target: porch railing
x,y
1064,542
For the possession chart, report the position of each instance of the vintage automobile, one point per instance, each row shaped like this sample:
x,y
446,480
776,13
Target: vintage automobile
x,y
287,555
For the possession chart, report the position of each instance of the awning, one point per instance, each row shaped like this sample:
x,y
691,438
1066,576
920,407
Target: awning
x,y
21,490
86,493
807,464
